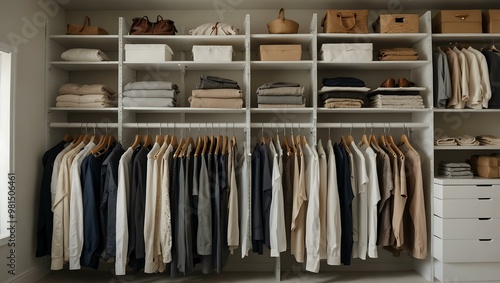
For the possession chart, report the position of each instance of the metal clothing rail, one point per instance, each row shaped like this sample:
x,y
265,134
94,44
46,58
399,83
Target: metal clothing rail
x,y
282,125
184,125
412,125
83,125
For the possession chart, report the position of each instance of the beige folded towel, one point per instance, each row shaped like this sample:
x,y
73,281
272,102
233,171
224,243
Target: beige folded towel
x,y
281,105
234,103
90,98
445,140
348,100
72,88
84,105
217,93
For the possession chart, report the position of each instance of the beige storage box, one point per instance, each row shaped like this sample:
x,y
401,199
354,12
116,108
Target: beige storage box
x,y
396,23
491,21
458,21
147,53
347,52
212,53
287,52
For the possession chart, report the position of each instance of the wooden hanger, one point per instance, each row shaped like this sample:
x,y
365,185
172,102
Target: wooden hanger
x,y
374,143
303,140
262,139
224,145
286,146
189,142
86,139
392,144
148,141
167,139
364,140
159,139
100,145
292,141
205,145
233,139
404,140
213,140
78,140
108,142
199,145
179,148
67,138
174,142
343,142
218,147
137,142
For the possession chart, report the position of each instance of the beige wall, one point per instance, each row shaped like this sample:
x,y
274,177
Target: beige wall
x,y
23,20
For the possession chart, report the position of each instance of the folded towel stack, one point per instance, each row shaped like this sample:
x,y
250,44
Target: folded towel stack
x,y
150,94
216,92
402,97
281,95
445,141
455,170
488,140
343,92
86,96
84,55
398,54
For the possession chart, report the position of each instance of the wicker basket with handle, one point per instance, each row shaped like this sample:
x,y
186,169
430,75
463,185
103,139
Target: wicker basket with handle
x,y
282,25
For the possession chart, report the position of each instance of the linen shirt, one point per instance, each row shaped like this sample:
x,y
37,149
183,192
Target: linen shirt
x,y
333,220
360,206
277,216
150,210
313,225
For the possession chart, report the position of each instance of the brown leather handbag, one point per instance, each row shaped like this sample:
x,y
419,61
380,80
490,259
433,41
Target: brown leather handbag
x,y
85,29
345,21
144,26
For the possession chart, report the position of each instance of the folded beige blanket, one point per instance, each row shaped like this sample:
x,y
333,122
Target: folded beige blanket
x,y
72,88
217,93
86,98
234,103
347,100
84,105
398,58
281,105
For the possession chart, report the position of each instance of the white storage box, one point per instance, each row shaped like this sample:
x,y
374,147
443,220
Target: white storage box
x,y
347,52
212,53
148,53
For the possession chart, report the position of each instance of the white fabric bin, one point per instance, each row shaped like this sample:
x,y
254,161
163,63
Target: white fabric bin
x,y
212,53
347,52
148,53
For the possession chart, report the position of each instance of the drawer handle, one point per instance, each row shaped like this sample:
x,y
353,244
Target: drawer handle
x,y
399,20
485,219
485,240
484,198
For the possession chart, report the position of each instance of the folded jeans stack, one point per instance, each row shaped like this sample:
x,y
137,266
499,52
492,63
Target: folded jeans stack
x,y
281,95
86,96
216,92
488,140
343,92
398,54
455,170
150,94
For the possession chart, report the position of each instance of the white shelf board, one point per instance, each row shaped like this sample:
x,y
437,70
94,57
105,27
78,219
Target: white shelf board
x,y
281,65
373,65
188,65
282,110
79,109
371,110
390,38
438,110
459,147
441,180
185,110
86,66
303,39
102,42
465,37
186,42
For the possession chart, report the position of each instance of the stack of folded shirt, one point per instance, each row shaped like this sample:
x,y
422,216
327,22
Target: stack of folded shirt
x,y
281,95
397,101
150,94
84,55
467,140
216,92
488,140
455,170
445,141
86,96
343,92
398,54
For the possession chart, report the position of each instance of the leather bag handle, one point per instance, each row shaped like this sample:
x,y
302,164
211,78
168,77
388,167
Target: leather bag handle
x,y
342,21
214,28
159,18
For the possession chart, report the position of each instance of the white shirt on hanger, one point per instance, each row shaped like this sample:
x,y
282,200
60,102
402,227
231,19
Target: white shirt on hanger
x,y
323,189
166,223
55,172
312,216
277,214
122,200
464,69
485,76
150,211
333,223
475,86
76,208
244,205
158,265
360,246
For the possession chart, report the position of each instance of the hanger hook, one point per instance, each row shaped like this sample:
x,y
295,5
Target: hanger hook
x,y
262,129
160,130
350,130
147,129
371,130
189,128
329,131
94,128
233,130
86,128
198,128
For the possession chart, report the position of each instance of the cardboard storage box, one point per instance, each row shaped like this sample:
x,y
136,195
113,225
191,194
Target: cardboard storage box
x,y
212,53
491,21
347,52
458,21
148,53
396,23
288,52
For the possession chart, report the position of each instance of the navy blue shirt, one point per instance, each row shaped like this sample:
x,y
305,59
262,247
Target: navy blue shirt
x,y
266,186
257,225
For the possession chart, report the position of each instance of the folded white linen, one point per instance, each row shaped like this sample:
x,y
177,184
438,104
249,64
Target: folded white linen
x,y
83,105
343,88
151,93
150,85
148,102
84,55
72,88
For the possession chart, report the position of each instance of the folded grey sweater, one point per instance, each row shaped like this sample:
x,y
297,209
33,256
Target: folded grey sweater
x,y
150,85
148,102
153,93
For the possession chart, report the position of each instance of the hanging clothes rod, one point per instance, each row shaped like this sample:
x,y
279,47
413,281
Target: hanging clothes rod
x,y
83,125
281,125
184,125
374,125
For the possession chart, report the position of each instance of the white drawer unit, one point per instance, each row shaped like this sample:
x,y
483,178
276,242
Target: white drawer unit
x,y
466,228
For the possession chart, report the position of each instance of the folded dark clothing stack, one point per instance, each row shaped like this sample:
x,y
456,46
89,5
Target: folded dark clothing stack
x,y
398,54
216,92
150,94
281,95
343,92
455,170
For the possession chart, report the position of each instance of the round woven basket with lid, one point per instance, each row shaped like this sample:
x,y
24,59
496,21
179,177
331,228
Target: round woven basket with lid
x,y
282,25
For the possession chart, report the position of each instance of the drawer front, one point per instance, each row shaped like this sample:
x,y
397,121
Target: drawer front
x,y
469,191
467,208
468,272
486,250
467,229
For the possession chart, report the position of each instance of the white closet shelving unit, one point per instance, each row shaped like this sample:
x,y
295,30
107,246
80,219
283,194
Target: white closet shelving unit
x,y
249,123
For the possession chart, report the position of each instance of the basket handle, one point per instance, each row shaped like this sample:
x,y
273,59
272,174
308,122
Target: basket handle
x,y
86,22
281,14
342,22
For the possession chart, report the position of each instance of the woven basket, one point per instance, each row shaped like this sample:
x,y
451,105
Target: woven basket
x,y
282,25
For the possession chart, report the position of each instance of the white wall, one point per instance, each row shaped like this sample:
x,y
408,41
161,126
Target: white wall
x,y
23,20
